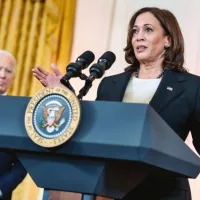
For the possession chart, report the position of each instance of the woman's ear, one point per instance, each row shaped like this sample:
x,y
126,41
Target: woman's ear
x,y
167,41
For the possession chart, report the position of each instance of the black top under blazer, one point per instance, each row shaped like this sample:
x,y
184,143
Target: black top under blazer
x,y
180,108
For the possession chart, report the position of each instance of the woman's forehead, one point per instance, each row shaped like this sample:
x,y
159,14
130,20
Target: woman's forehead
x,y
145,19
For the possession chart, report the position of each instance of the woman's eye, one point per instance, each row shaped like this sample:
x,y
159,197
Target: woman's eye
x,y
149,30
135,31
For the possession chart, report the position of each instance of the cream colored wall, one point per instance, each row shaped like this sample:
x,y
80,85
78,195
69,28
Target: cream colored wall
x,y
101,25
92,30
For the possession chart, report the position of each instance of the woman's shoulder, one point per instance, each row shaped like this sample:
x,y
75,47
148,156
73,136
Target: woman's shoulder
x,y
184,75
191,77
191,83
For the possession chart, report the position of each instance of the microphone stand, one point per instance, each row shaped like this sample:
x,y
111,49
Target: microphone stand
x,y
66,83
88,84
84,90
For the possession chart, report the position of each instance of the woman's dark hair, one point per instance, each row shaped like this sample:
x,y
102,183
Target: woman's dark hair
x,y
174,55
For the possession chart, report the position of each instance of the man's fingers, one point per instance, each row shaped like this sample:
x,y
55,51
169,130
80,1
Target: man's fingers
x,y
55,70
38,76
40,73
44,83
42,80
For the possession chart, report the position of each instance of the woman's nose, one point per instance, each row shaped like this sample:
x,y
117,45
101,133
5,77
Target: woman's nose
x,y
140,36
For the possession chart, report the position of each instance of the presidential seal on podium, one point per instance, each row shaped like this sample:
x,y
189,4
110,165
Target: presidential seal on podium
x,y
52,116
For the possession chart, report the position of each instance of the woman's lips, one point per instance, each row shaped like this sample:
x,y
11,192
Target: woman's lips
x,y
141,48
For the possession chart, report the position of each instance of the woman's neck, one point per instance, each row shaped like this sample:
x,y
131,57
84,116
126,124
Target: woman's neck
x,y
150,70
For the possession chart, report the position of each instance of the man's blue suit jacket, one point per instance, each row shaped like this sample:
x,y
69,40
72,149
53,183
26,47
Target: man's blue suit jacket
x,y
11,173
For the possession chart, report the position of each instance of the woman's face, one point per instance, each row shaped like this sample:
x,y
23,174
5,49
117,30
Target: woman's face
x,y
149,40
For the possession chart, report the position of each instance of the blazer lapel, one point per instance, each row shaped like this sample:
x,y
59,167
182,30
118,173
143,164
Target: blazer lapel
x,y
168,90
119,85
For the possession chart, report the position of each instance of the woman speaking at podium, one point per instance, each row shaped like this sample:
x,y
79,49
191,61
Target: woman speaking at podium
x,y
155,52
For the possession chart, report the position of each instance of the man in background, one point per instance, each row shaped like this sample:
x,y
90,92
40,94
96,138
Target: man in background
x,y
11,170
7,70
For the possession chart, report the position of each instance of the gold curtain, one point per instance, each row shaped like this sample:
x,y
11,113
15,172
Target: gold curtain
x,y
36,32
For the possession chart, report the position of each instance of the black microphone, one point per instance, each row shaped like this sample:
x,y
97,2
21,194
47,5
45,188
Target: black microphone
x,y
103,64
97,71
74,69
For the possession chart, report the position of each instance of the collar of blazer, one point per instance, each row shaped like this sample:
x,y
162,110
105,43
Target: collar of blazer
x,y
168,90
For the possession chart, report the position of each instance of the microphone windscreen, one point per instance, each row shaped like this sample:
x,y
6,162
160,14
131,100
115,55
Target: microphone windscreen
x,y
109,57
88,57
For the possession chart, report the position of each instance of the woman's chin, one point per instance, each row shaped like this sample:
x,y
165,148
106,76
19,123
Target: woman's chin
x,y
142,58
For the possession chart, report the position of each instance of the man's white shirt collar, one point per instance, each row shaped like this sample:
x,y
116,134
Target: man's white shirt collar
x,y
5,94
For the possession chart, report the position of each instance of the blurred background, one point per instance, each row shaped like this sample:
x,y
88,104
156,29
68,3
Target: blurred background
x,y
41,32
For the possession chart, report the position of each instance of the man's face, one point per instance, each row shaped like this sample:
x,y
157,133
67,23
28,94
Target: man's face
x,y
6,72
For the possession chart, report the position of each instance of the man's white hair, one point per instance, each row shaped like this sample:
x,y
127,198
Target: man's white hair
x,y
4,52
